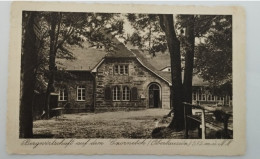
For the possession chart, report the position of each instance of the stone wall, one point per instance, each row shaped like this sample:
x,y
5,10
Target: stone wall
x,y
82,79
138,76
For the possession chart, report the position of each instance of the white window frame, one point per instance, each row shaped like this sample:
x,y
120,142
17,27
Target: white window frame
x,y
116,93
126,93
126,68
203,97
81,89
121,69
211,97
63,94
116,69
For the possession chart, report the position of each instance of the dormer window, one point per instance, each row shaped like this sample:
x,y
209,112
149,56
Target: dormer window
x,y
121,69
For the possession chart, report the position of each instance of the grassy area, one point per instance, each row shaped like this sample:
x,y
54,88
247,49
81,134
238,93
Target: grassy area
x,y
120,124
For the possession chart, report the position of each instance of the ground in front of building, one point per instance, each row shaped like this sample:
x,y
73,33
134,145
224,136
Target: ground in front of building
x,y
120,124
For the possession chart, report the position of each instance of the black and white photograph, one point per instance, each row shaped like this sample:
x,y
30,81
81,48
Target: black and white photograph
x,y
105,75
126,75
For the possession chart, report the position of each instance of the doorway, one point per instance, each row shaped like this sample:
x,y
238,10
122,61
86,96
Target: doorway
x,y
154,96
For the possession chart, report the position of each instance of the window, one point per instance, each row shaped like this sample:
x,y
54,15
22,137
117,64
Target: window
x,y
203,97
116,93
199,95
81,93
220,98
134,93
211,97
63,94
121,69
107,93
126,69
116,69
126,93
194,97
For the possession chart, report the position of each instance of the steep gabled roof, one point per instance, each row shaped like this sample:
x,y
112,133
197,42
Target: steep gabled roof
x,y
147,64
86,58
120,50
196,80
89,58
136,54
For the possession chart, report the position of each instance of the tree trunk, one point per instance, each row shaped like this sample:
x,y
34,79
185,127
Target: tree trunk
x,y
28,78
189,60
52,65
176,88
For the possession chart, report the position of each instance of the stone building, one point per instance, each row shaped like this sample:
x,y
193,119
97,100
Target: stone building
x,y
76,91
126,80
120,80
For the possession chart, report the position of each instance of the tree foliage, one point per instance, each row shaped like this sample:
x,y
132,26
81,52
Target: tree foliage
x,y
212,48
63,29
157,34
148,34
205,40
71,29
213,56
55,32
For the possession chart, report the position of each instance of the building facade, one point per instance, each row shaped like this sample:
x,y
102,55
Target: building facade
x,y
123,79
76,93
124,83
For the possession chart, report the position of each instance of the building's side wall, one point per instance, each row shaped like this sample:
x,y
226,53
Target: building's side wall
x,y
202,95
166,97
72,104
138,77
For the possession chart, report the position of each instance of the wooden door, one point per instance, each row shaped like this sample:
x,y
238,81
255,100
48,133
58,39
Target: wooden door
x,y
154,96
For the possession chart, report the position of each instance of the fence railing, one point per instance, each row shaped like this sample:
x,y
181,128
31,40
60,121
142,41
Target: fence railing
x,y
216,118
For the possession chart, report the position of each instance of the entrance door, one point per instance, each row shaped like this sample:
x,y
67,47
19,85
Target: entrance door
x,y
154,96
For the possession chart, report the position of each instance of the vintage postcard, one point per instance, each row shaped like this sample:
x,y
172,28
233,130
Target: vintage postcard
x,y
126,79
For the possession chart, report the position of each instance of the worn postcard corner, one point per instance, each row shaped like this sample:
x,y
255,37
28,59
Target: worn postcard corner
x,y
126,79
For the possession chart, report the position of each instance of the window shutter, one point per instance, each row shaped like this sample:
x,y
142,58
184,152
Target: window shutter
x,y
134,93
107,93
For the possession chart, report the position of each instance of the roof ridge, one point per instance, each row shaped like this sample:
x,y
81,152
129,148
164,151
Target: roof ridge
x,y
144,62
